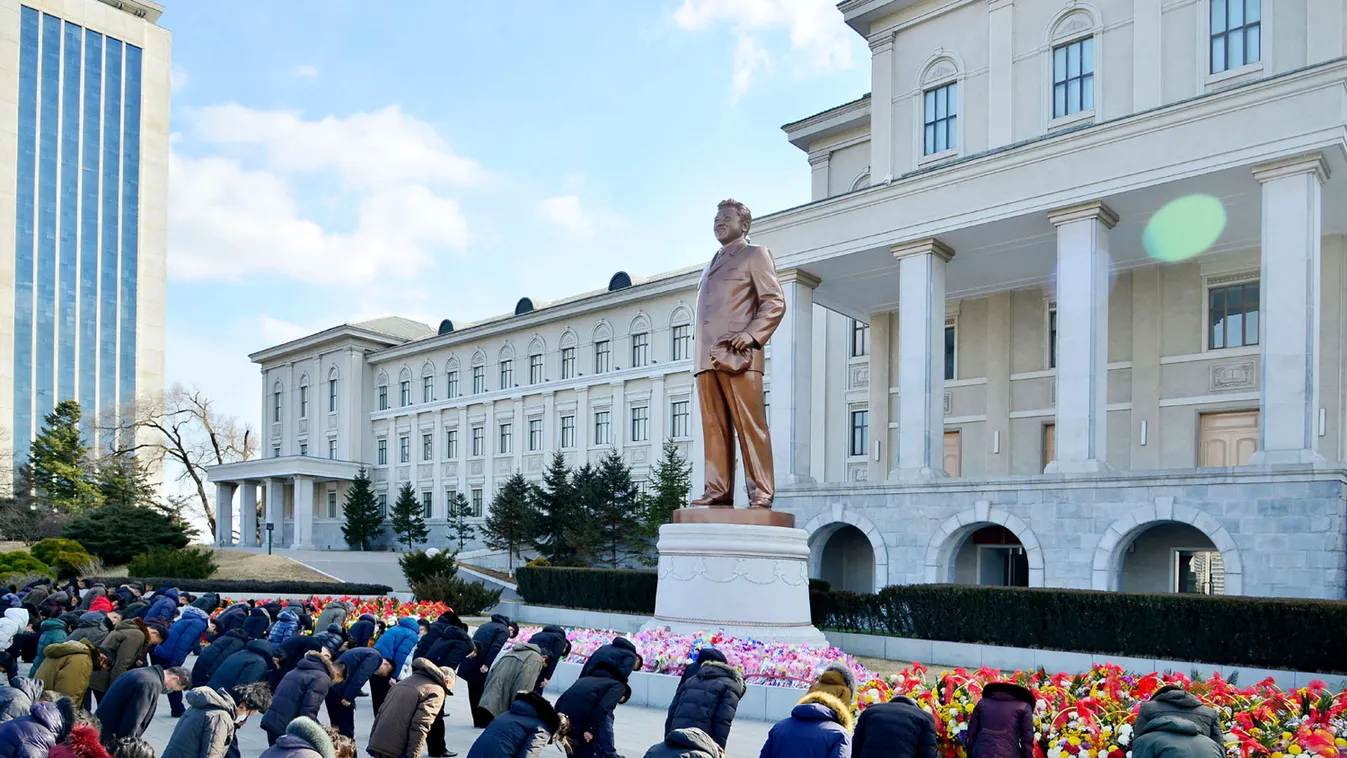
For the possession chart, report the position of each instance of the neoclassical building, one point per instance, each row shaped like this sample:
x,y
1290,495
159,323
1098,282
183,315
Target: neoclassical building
x,y
1065,310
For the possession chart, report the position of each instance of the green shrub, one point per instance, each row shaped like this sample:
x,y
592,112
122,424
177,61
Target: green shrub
x,y
467,598
539,561
47,550
189,563
23,562
1233,631
818,585
417,566
118,533
595,589
321,589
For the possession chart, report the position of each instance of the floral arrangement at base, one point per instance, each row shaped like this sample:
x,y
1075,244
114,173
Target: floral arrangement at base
x,y
385,609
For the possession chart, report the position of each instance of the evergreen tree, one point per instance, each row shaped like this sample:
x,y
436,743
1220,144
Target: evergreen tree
x,y
62,472
613,510
124,480
408,523
672,481
507,523
364,524
460,525
556,517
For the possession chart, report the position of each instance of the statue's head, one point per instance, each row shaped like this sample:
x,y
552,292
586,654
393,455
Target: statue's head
x,y
732,221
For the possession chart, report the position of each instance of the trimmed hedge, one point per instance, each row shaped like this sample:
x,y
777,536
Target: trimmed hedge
x,y
322,589
1303,635
593,589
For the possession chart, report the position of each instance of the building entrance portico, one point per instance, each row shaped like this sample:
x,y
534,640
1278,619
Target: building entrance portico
x,y
287,491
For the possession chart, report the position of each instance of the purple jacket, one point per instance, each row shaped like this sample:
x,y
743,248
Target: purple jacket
x,y
1002,724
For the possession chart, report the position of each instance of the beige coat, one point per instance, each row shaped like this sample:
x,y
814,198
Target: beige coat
x,y
403,721
121,648
514,672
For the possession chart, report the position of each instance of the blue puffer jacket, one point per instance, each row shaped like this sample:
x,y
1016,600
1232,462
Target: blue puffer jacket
x,y
165,607
215,654
53,631
287,626
361,663
247,666
182,637
256,624
361,631
16,700
34,736
399,641
301,693
819,727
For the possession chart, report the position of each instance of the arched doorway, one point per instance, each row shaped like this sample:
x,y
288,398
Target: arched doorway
x,y
846,560
991,555
1169,556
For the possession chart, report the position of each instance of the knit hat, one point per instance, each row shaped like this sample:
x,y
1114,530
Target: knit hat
x,y
836,680
311,732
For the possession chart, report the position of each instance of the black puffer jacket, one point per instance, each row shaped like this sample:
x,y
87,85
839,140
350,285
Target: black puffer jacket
x,y
552,640
703,655
588,702
301,693
707,701
896,729
524,731
435,633
621,654
215,654
1176,701
488,639
684,743
362,631
247,666
451,649
257,624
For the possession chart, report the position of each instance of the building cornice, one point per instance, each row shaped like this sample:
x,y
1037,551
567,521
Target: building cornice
x,y
843,118
307,343
150,11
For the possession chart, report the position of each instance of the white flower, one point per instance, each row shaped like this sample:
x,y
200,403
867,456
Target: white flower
x,y
963,727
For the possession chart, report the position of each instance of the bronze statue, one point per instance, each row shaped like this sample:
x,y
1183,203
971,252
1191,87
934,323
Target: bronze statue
x,y
739,305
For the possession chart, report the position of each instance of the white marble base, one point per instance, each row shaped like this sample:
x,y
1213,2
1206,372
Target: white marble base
x,y
751,581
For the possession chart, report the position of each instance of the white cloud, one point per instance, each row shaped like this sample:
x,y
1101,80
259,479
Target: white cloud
x,y
568,213
748,56
306,71
368,150
177,79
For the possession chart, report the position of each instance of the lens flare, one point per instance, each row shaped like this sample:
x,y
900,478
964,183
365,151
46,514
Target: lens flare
x,y
1184,227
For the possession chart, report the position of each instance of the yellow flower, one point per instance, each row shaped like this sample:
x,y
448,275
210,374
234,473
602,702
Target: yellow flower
x,y
1073,740
1278,755
1340,742
1294,750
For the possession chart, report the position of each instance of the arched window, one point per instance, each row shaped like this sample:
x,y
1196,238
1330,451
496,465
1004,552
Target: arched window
x,y
381,400
507,367
939,125
603,348
569,341
428,382
303,395
404,387
451,378
332,376
478,372
537,348
680,330
639,329
277,397
1073,58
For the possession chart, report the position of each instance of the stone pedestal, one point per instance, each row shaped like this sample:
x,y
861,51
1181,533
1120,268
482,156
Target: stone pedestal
x,y
750,580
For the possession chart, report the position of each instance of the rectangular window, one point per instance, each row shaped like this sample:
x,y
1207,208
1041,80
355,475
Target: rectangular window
x,y
276,407
949,353
303,448
1232,316
535,434
404,449
640,423
332,504
303,402
405,392
478,441
427,389
567,363
383,453
680,419
476,502
275,452
1052,338
767,405
383,504
1236,26
451,385
860,432
478,380
505,434
427,448
940,117
506,374
383,397
450,495
682,342
451,444
860,338
331,395
640,349
427,502
568,432
602,426
536,369
1073,77
332,450
602,356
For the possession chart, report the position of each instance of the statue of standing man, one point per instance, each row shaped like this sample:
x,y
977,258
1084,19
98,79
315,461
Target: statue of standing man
x,y
739,305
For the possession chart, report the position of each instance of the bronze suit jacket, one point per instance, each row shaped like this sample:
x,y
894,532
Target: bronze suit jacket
x,y
739,292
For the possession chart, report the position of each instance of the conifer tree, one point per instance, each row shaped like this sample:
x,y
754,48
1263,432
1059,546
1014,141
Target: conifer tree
x,y
460,513
556,517
364,523
63,474
124,480
614,511
671,481
409,525
507,523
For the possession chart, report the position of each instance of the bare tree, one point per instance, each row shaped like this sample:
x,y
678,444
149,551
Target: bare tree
x,y
186,429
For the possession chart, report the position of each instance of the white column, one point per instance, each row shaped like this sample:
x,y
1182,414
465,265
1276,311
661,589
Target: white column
x,y
877,403
464,451
224,514
818,174
791,370
519,434
439,508
551,440
881,107
1146,35
818,393
303,536
1289,333
659,412
921,359
492,443
1082,337
620,431
248,514
275,506
1000,86
584,426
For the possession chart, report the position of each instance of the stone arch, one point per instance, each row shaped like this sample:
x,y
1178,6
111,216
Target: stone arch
x,y
451,364
428,368
507,351
382,381
569,338
333,373
537,345
639,323
680,315
1112,547
1075,21
604,330
826,524
479,358
943,66
405,375
862,180
956,529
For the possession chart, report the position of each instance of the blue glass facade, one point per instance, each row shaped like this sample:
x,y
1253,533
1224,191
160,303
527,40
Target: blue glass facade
x,y
77,230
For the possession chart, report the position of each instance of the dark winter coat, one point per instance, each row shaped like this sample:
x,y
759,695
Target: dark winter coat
x,y
1175,736
301,693
433,634
361,631
257,623
16,699
183,637
54,631
286,626
489,638
248,665
1176,701
684,743
452,648
93,626
896,729
592,698
707,701
398,642
361,663
34,735
215,654
404,720
130,703
1002,724
68,667
165,606
819,727
524,731
621,654
232,618
703,655
121,647
304,738
208,602
334,613
291,652
206,730
92,594
552,640
330,640
82,743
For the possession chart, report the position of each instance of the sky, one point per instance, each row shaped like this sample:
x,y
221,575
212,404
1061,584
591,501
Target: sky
x,y
333,161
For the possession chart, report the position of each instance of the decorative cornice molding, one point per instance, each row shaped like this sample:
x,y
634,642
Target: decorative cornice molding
x,y
882,42
1095,210
820,158
928,246
1310,163
794,275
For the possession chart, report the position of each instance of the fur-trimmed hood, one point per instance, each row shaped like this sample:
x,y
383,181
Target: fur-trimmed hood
x,y
541,708
712,669
312,732
811,706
